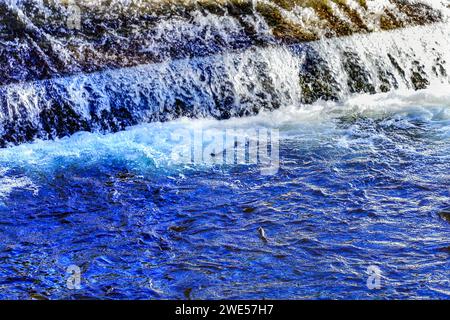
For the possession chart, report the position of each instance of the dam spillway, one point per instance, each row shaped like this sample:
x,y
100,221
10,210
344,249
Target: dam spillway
x,y
198,59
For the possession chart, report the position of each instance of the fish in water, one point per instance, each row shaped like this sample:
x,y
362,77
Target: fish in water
x,y
262,234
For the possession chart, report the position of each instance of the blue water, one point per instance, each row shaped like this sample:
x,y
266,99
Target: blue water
x,y
361,183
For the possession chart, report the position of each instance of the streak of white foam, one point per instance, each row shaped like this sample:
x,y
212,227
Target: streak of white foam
x,y
149,146
9,184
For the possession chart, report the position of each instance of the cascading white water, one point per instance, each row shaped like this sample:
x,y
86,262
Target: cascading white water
x,y
401,59
228,84
52,38
359,128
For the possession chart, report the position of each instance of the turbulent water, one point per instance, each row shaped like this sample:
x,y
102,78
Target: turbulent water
x,y
205,64
358,93
360,183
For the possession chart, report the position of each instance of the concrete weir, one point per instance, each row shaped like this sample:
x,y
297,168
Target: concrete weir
x,y
69,66
47,38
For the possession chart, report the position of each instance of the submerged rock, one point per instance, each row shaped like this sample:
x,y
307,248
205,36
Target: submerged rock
x,y
187,293
249,210
445,215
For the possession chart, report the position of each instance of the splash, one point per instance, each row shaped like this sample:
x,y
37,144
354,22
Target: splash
x,y
124,63
147,148
224,85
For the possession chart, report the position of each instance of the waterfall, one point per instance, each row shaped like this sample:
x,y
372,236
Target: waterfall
x,y
205,64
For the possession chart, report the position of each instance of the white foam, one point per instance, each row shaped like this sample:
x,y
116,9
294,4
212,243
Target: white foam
x,y
9,184
149,146
256,78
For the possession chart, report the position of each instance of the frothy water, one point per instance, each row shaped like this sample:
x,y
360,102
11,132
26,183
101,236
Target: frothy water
x,y
362,182
225,85
148,146
94,105
42,39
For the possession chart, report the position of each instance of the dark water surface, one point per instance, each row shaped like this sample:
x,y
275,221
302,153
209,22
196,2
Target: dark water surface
x,y
356,187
